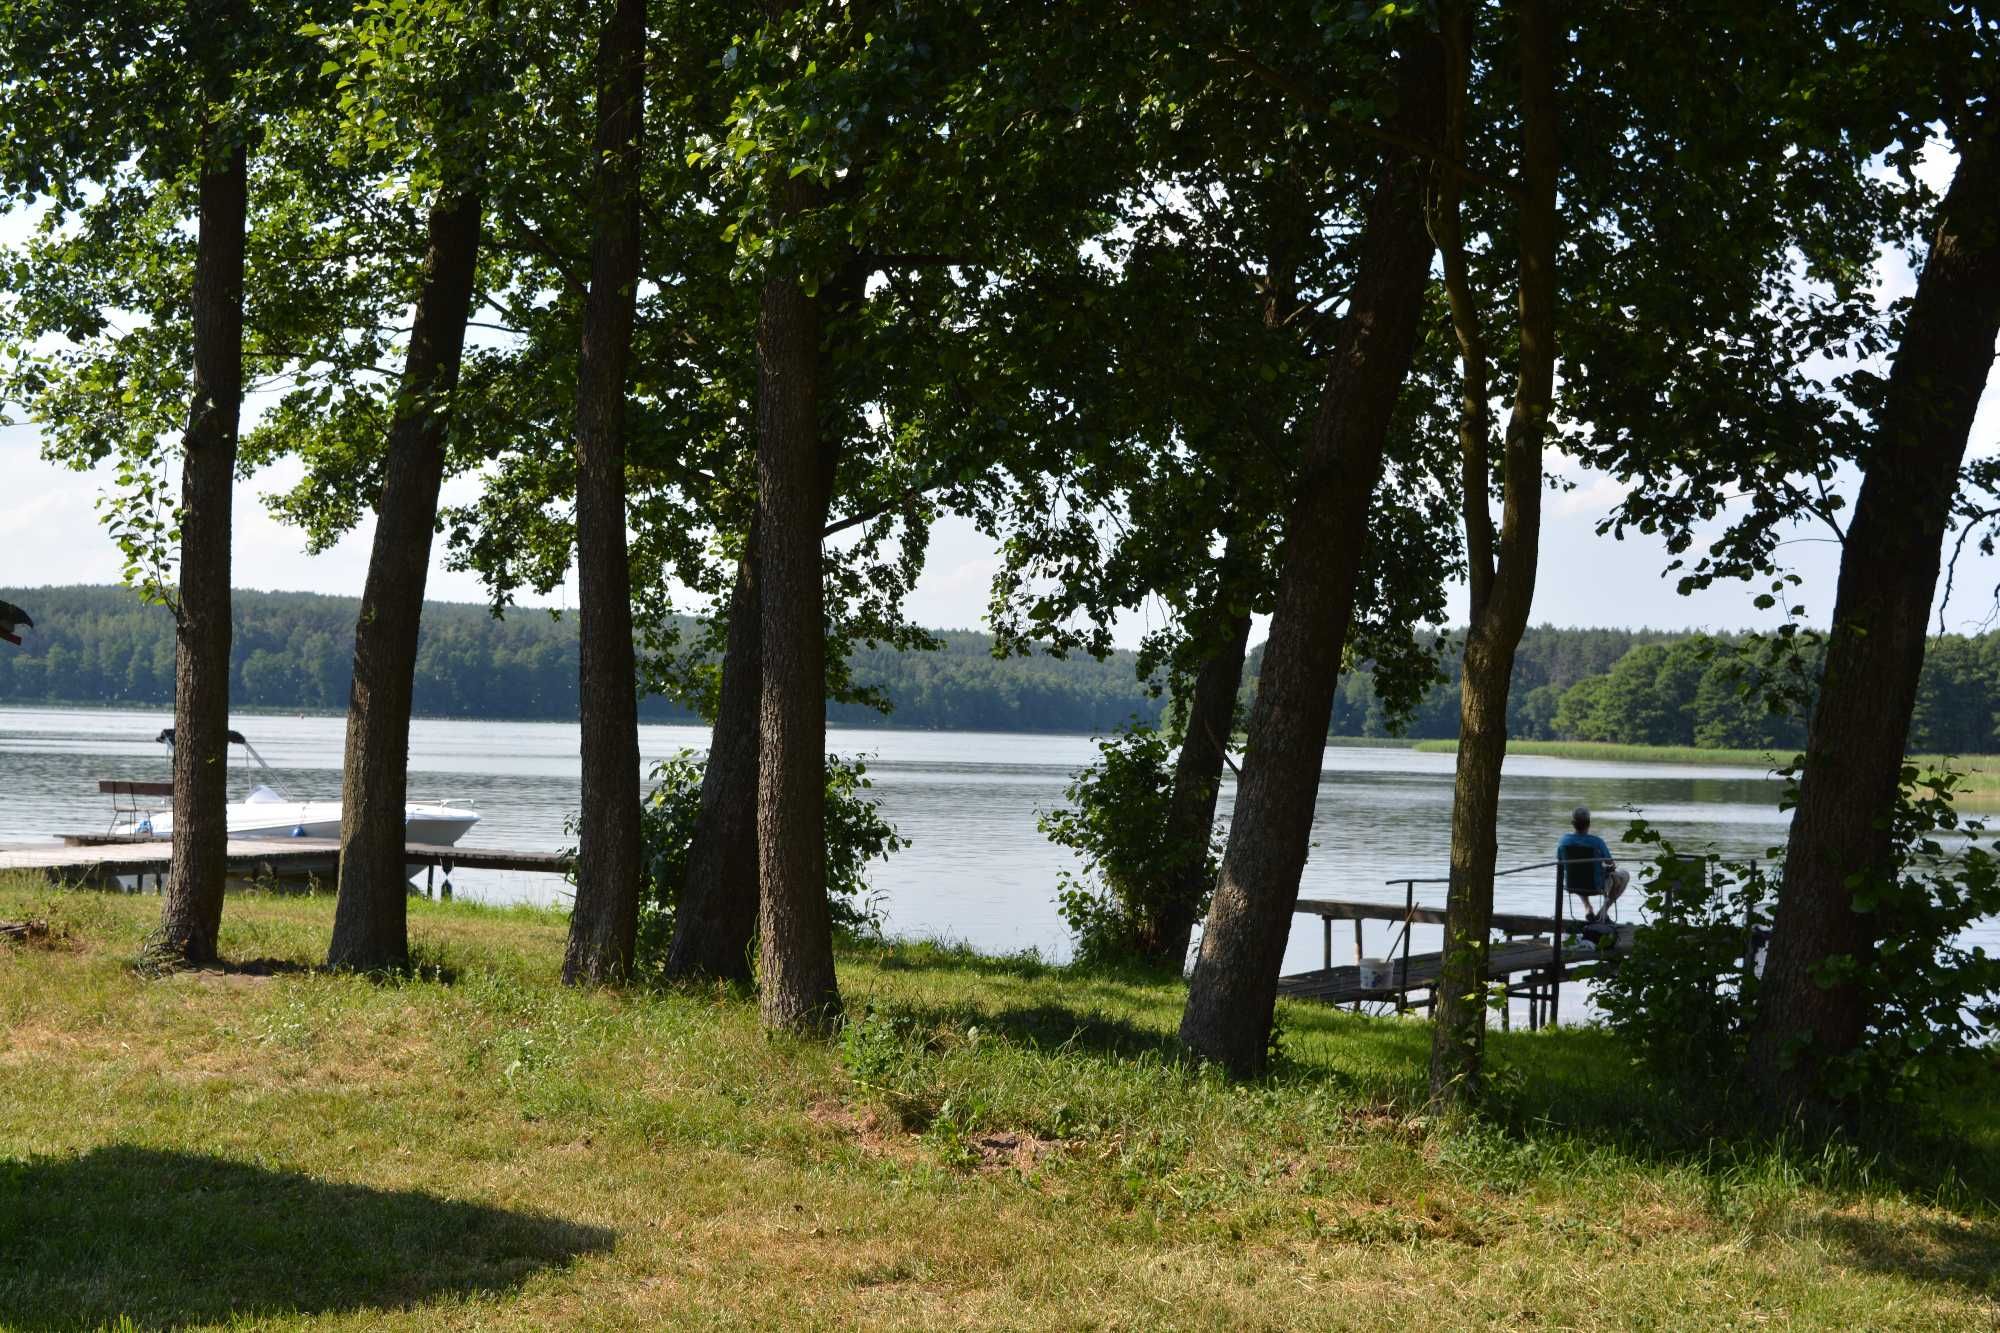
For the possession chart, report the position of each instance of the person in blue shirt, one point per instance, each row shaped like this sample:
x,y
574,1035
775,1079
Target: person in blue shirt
x,y
1599,871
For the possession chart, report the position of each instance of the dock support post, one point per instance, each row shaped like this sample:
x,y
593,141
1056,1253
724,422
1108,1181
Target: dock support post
x,y
1356,1006
446,891
1409,912
1556,955
1753,894
1326,924
430,874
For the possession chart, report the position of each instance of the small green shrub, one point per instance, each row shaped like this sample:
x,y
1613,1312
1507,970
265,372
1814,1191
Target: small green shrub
x,y
1684,1002
1930,997
1134,898
890,1056
856,834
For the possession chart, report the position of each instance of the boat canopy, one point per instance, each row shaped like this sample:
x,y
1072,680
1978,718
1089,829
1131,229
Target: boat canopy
x,y
166,737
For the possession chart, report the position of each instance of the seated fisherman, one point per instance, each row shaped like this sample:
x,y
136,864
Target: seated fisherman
x,y
1587,868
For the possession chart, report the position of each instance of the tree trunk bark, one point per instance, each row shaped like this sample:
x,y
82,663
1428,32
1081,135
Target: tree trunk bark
x,y
795,955
191,916
604,924
1211,717
1888,575
1503,591
1234,991
370,918
717,917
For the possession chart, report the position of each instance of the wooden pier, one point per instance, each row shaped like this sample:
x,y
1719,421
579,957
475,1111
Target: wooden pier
x,y
1531,968
103,859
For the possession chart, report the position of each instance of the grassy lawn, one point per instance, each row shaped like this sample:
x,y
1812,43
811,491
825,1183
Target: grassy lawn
x,y
993,1143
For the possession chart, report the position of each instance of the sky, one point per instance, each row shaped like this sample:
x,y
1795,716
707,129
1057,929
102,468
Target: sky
x,y
52,536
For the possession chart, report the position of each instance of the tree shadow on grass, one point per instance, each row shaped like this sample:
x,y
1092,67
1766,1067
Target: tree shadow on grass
x,y
174,1238
1965,1255
1059,1026
917,955
1581,1081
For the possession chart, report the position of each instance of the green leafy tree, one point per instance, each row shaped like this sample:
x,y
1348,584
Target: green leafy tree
x,y
426,85
1502,561
124,124
605,918
1869,92
855,145
1324,540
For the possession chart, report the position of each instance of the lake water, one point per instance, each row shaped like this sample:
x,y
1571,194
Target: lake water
x,y
976,870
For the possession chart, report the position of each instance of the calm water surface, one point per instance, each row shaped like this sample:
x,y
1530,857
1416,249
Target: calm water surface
x,y
977,870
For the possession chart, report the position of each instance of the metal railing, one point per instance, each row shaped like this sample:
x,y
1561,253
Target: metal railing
x,y
1751,869
1402,938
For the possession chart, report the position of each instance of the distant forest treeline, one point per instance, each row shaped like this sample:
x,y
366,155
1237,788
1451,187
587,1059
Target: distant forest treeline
x,y
1647,687
294,651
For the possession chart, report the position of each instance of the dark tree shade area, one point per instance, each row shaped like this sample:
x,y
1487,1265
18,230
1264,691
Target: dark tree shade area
x,y
93,645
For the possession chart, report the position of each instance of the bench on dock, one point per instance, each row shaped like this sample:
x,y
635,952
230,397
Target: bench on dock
x,y
122,787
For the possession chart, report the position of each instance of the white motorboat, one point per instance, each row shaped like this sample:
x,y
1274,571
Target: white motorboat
x,y
268,812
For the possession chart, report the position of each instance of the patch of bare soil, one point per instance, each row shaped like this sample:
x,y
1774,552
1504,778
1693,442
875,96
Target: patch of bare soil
x,y
1004,1149
252,972
997,1150
865,1127
36,935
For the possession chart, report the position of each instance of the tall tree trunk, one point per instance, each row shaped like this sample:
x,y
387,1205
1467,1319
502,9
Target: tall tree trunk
x,y
1211,717
1888,575
717,917
795,954
191,916
604,925
1235,986
1502,593
370,918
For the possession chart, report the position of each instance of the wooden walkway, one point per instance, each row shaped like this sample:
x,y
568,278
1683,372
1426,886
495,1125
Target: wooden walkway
x,y
1505,960
99,859
1532,968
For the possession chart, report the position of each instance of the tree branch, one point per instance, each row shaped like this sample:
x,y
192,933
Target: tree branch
x,y
1309,102
546,248
915,260
1448,232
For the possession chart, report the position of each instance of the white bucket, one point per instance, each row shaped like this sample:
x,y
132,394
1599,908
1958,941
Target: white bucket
x,y
1377,973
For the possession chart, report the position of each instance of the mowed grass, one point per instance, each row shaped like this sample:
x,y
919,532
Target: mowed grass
x,y
991,1144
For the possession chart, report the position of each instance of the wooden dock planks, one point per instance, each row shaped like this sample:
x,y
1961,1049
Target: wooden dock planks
x,y
1506,960
91,860
1530,969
